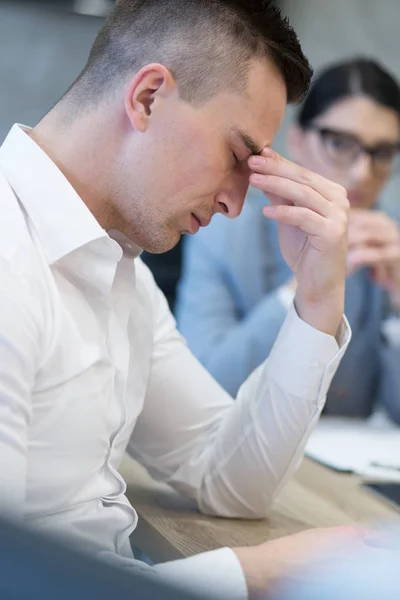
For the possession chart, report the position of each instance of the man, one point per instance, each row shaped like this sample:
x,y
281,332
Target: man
x,y
157,134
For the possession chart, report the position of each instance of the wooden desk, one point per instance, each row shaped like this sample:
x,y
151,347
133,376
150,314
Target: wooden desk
x,y
170,526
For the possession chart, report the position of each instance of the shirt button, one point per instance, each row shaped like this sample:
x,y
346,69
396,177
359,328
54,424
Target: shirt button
x,y
315,364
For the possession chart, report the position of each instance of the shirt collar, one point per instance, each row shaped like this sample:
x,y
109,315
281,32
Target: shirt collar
x,y
61,219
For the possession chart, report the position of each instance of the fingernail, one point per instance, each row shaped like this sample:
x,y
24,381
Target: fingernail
x,y
256,162
256,178
268,152
377,539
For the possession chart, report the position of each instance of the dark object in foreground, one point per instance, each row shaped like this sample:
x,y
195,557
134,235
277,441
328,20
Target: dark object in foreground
x,y
33,567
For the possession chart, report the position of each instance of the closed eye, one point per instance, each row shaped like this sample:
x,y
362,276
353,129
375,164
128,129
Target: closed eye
x,y
235,158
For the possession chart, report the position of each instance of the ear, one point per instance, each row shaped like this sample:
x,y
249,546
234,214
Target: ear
x,y
150,87
294,141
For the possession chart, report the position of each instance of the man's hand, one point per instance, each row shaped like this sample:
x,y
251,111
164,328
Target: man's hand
x,y
288,559
312,216
374,242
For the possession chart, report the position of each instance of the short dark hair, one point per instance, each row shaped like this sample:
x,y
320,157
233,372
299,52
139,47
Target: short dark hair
x,y
355,77
206,44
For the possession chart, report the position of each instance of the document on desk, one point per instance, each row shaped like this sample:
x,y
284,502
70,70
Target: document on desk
x,y
370,448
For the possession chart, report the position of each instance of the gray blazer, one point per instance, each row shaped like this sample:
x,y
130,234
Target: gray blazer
x,y
230,313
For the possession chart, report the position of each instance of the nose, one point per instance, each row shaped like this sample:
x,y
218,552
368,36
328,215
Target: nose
x,y
230,200
362,169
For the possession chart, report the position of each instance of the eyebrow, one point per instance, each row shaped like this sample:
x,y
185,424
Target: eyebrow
x,y
248,142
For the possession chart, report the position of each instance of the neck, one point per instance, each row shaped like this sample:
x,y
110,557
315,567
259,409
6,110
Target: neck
x,y
84,151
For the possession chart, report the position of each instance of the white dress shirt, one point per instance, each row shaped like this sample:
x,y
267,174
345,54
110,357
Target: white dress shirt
x,y
91,365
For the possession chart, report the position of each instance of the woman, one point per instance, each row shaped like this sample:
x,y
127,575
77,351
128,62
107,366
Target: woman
x,y
235,288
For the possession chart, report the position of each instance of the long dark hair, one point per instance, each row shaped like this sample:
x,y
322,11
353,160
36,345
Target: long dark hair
x,y
357,77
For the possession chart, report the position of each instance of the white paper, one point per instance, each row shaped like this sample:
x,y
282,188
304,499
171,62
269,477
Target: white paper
x,y
368,447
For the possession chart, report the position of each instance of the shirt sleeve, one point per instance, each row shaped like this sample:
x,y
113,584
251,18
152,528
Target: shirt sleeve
x,y
233,457
216,575
19,356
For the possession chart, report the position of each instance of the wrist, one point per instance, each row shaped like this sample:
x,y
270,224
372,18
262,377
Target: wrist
x,y
325,315
286,292
394,299
259,579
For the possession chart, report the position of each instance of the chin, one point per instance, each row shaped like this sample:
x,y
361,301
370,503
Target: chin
x,y
161,244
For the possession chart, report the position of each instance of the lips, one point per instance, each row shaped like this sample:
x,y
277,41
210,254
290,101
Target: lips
x,y
196,221
203,221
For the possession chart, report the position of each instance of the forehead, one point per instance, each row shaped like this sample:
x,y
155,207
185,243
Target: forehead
x,y
258,108
363,117
265,100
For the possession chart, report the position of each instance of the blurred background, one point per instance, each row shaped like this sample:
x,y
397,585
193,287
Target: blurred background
x,y
333,30
44,44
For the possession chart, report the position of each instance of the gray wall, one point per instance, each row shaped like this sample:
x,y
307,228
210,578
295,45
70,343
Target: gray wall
x,y
41,51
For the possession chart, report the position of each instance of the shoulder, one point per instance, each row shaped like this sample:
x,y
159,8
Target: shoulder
x,y
21,267
13,227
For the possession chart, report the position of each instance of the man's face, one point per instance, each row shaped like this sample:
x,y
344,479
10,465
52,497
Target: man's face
x,y
191,161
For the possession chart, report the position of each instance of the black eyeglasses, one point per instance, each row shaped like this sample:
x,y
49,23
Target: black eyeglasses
x,y
345,148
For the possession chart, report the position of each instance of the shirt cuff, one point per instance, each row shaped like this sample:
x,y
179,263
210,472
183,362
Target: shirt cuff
x,y
304,360
390,330
216,575
285,295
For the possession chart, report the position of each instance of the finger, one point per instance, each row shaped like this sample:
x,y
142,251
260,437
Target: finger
x,y
365,237
380,539
271,163
301,195
307,220
358,237
373,255
378,231
382,275
360,213
361,216
389,279
351,269
365,217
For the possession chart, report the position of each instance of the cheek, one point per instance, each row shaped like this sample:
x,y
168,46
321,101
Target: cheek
x,y
209,170
194,181
375,187
310,156
193,162
315,161
206,152
321,164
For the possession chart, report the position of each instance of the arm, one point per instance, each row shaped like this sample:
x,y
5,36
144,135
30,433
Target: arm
x,y
227,342
232,457
19,356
